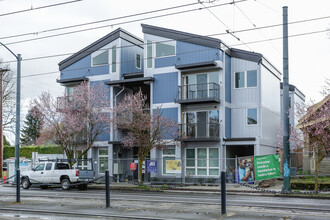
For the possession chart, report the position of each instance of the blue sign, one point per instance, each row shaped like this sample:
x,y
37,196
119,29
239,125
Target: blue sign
x,y
152,166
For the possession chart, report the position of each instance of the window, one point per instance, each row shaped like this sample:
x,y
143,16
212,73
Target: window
x,y
149,54
40,167
252,116
202,124
138,61
103,160
114,61
49,166
168,154
82,162
101,59
163,50
250,76
202,161
239,80
201,85
62,166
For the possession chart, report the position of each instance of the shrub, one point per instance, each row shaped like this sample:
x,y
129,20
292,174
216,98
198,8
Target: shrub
x,y
9,151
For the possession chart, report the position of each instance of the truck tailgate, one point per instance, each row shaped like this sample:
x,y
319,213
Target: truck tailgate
x,y
86,174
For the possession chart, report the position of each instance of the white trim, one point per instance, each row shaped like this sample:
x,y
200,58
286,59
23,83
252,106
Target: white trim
x,y
166,105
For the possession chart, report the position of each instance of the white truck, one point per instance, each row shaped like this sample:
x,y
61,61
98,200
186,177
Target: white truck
x,y
50,173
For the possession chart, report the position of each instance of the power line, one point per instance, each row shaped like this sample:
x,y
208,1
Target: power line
x,y
120,23
164,41
251,42
228,28
96,22
42,7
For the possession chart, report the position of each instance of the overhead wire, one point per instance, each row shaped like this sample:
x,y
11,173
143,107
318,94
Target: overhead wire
x,y
120,23
251,42
228,28
97,22
41,7
186,38
254,25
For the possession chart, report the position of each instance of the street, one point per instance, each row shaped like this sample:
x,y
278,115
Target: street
x,y
90,204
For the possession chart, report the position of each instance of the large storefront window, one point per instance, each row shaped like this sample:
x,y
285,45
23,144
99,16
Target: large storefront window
x,y
103,160
202,162
168,154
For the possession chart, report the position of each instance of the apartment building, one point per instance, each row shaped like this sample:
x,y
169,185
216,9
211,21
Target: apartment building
x,y
225,100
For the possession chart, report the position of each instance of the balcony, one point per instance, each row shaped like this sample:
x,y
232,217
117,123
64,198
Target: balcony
x,y
200,131
197,93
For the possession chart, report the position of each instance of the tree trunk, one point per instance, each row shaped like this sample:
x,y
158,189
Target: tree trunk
x,y
317,165
140,171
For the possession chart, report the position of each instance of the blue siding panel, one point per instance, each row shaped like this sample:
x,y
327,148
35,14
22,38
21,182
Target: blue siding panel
x,y
192,53
165,87
187,53
228,79
83,68
165,61
170,113
127,59
228,122
100,85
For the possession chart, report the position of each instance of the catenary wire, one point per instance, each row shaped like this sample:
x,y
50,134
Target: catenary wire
x,y
120,23
41,7
100,21
164,41
252,42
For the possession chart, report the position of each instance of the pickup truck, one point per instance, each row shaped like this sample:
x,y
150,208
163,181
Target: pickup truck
x,y
48,173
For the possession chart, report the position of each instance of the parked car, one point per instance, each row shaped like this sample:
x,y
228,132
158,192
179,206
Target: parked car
x,y
48,173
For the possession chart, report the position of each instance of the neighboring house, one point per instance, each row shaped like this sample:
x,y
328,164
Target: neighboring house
x,y
309,158
296,98
226,100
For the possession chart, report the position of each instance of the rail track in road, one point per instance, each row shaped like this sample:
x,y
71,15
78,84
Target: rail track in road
x,y
189,199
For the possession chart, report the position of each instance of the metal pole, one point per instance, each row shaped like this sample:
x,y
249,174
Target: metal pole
x,y
1,122
18,119
286,129
18,185
107,189
223,192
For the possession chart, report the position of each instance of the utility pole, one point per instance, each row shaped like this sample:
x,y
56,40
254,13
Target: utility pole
x,y
18,118
286,129
1,118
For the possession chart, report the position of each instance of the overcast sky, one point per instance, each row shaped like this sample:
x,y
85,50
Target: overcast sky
x,y
309,55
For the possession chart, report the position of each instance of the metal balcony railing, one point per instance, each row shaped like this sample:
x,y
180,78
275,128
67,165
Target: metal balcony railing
x,y
200,130
64,102
201,91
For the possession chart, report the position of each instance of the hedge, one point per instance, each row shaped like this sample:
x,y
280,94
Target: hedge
x,y
9,151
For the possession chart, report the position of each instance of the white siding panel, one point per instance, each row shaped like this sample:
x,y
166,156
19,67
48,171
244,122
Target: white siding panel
x,y
270,90
239,124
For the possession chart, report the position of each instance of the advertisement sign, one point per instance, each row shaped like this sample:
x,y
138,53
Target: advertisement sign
x,y
267,167
173,166
151,166
256,168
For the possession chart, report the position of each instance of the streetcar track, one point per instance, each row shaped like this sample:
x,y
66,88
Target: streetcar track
x,y
229,203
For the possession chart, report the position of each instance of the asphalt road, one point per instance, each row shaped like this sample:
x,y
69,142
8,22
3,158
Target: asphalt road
x,y
90,204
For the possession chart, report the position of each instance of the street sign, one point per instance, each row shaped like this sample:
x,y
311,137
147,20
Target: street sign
x,y
132,166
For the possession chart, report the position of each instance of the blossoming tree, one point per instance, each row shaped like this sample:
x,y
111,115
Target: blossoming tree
x,y
143,129
74,122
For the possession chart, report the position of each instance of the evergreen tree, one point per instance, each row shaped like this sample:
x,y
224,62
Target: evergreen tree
x,y
33,126
5,141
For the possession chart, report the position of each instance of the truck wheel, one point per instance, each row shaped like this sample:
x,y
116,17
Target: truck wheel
x,y
65,184
26,183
